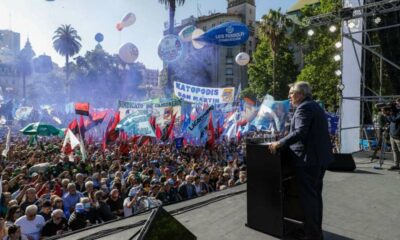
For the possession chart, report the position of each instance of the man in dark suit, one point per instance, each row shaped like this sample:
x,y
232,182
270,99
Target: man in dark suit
x,y
310,148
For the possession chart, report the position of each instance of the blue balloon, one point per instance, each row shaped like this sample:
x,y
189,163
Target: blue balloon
x,y
226,34
99,37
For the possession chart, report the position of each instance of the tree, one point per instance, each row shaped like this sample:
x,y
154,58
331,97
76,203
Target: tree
x,y
25,64
261,71
66,43
171,4
274,26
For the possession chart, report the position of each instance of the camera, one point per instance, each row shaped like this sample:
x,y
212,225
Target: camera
x,y
387,106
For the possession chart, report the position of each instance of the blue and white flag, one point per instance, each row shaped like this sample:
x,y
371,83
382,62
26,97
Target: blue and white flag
x,y
197,127
134,124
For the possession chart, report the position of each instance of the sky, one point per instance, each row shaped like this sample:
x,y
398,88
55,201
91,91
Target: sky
x,y
38,19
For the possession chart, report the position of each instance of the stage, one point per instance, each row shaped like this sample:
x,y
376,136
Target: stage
x,y
359,205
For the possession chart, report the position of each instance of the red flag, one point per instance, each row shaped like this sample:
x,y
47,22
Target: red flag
x,y
135,138
73,126
210,133
82,108
158,132
98,116
167,132
111,133
152,121
82,127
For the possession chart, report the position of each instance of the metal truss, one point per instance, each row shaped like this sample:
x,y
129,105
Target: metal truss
x,y
367,10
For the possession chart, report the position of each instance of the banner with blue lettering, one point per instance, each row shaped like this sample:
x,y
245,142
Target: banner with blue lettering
x,y
197,127
272,115
134,124
226,34
127,107
197,94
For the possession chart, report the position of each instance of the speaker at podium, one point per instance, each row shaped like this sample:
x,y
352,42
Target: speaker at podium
x,y
273,205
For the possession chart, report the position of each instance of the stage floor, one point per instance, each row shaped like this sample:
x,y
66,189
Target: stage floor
x,y
360,205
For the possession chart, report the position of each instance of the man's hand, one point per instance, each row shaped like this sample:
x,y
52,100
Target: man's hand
x,y
273,147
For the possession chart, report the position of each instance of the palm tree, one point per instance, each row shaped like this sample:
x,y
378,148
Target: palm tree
x,y
66,43
274,26
171,4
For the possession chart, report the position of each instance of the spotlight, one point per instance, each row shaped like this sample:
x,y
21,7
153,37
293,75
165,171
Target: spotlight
x,y
351,25
332,28
338,45
310,32
338,73
377,20
337,58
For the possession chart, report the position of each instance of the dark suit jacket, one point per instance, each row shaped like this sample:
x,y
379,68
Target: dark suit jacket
x,y
308,139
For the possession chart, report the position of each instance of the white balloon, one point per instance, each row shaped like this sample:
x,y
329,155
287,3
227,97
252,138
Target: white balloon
x,y
186,33
128,52
196,33
128,20
242,58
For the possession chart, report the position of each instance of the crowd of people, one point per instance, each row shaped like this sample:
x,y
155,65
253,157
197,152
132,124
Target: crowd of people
x,y
47,193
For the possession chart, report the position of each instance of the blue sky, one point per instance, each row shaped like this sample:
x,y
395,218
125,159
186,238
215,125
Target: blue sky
x,y
39,18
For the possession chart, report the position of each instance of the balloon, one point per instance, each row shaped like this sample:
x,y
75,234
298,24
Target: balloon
x,y
128,52
170,48
186,33
226,34
196,33
99,37
242,58
126,21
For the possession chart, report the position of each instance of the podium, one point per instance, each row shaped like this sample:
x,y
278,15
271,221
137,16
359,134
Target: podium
x,y
273,205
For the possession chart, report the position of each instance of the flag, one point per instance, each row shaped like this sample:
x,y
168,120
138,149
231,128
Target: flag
x,y
98,117
158,132
210,133
73,126
70,142
197,127
82,108
168,129
82,127
5,151
179,142
112,133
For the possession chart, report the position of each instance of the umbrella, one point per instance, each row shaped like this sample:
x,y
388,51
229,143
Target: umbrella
x,y
41,129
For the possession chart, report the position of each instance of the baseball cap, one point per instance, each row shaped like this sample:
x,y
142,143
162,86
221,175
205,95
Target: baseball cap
x,y
79,208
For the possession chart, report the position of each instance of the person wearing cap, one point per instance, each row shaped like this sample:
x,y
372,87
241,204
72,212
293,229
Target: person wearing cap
x,y
56,225
130,202
31,224
77,220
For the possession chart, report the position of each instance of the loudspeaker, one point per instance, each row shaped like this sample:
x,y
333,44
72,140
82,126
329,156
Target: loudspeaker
x,y
162,225
342,162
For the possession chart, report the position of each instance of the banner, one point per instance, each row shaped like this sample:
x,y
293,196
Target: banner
x,y
226,34
197,127
23,113
134,124
127,107
196,94
163,111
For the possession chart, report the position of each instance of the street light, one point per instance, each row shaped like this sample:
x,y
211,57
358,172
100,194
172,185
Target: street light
x,y
338,45
310,32
338,72
337,58
332,29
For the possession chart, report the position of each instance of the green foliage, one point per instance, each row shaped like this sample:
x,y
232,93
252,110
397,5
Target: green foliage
x,y
319,66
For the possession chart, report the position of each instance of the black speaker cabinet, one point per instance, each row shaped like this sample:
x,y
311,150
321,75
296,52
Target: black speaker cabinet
x,y
342,162
272,199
